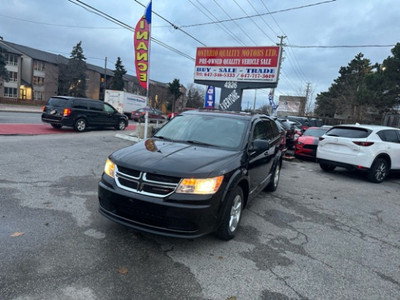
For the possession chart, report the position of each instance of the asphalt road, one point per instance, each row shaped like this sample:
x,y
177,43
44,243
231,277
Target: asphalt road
x,y
319,236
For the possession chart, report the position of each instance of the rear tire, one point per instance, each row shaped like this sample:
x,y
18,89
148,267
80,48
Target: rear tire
x,y
57,126
232,215
273,185
327,167
121,125
378,171
80,125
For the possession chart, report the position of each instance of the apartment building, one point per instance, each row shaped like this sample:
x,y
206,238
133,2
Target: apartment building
x,y
34,75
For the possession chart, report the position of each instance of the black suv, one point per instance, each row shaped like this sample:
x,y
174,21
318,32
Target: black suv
x,y
194,176
81,113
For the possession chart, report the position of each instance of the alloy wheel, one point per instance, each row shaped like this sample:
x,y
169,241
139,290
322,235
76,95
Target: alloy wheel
x,y
236,211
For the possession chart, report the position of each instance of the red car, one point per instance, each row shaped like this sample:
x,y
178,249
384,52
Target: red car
x,y
154,114
306,145
171,115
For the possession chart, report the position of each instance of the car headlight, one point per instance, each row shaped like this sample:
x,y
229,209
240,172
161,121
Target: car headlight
x,y
109,168
201,186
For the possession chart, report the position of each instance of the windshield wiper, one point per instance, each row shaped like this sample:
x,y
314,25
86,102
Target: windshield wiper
x,y
198,143
162,138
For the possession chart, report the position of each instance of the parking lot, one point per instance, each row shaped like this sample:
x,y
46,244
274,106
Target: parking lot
x,y
319,236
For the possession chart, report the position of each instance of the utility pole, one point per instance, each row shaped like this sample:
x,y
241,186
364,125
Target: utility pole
x,y
255,100
105,78
279,65
307,94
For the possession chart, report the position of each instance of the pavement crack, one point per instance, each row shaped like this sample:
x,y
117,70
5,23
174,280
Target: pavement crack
x,y
280,278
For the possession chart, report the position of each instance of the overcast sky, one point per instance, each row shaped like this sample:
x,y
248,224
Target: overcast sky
x,y
56,26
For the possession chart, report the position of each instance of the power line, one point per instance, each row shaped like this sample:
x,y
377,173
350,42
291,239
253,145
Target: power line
x,y
126,26
257,15
341,46
222,26
173,25
240,27
57,25
258,26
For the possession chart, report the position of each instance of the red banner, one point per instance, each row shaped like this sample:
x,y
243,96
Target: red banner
x,y
141,43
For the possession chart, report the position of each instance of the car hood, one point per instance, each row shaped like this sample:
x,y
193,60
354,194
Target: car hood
x,y
309,140
177,159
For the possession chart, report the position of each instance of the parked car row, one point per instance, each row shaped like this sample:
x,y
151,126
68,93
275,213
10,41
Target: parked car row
x,y
369,148
372,149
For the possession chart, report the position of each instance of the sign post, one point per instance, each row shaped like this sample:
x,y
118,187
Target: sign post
x,y
142,45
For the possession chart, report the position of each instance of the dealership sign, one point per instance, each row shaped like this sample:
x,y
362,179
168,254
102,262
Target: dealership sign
x,y
245,64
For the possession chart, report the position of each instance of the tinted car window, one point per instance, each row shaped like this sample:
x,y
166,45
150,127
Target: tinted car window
x,y
349,132
389,136
82,104
260,131
108,108
97,106
57,102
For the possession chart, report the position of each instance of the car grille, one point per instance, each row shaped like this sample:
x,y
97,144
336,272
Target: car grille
x,y
148,184
312,147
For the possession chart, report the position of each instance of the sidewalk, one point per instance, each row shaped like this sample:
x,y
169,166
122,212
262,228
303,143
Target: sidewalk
x,y
20,108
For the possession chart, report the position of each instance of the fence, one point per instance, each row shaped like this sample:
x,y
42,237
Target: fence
x,y
21,101
392,121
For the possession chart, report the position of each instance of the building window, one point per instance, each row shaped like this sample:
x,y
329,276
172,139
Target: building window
x,y
38,80
38,95
12,59
38,65
13,76
10,92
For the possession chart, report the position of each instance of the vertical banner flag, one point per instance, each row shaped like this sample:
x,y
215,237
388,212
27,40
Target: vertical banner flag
x,y
141,39
209,101
272,102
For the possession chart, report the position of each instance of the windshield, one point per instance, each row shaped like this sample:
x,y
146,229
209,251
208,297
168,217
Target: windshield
x,y
218,131
315,132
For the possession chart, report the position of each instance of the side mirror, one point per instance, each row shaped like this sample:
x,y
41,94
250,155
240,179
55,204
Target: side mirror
x,y
259,145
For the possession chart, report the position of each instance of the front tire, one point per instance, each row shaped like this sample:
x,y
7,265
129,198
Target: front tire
x,y
232,215
378,171
80,125
327,167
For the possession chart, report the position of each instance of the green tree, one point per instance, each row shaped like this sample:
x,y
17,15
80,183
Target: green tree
x,y
384,83
72,79
3,70
349,92
117,82
195,97
174,88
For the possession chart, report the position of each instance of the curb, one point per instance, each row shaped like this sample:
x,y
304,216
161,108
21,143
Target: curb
x,y
127,137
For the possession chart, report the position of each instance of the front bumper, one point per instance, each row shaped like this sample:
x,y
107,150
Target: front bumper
x,y
185,216
305,150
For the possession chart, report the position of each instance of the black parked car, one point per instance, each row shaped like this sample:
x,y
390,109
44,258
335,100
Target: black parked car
x,y
194,176
81,113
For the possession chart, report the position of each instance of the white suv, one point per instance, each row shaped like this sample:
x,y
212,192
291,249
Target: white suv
x,y
370,148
